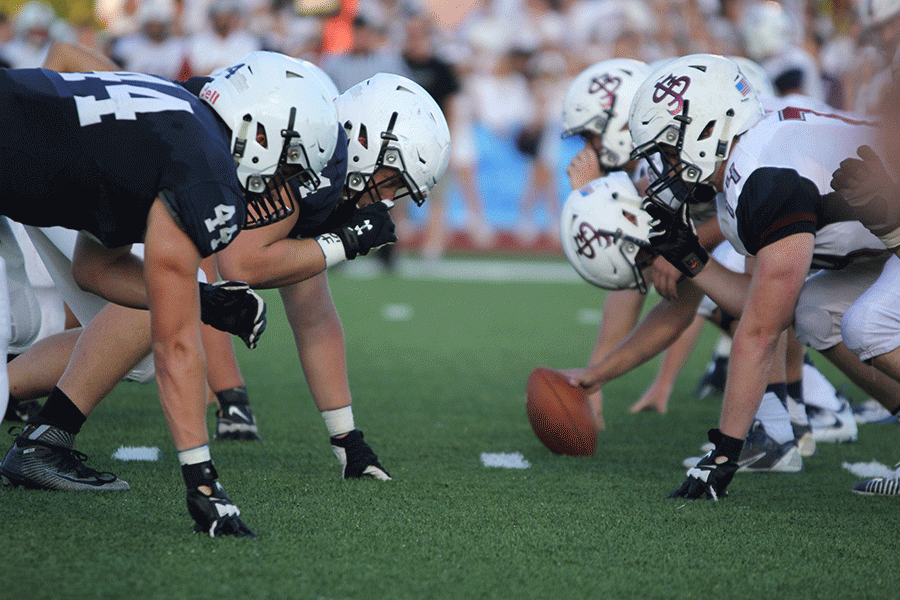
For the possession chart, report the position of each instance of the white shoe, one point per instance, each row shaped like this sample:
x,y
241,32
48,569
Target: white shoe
x,y
871,411
762,454
829,426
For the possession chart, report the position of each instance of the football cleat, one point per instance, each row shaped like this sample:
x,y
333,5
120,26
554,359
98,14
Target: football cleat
x,y
830,426
762,454
357,458
42,458
236,422
713,381
806,441
20,411
871,411
880,486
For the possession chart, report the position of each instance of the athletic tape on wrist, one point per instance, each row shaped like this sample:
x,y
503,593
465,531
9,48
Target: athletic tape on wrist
x,y
332,248
339,420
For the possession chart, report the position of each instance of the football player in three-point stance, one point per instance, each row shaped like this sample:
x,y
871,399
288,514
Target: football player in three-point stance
x,y
699,117
406,123
128,158
596,109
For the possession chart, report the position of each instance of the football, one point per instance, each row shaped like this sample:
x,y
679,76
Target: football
x,y
560,414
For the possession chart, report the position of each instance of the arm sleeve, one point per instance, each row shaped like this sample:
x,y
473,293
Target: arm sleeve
x,y
774,204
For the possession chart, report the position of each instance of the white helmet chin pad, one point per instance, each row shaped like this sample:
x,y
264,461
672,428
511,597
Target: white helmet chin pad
x,y
602,229
391,121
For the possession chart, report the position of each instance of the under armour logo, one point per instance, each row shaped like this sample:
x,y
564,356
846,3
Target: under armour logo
x,y
365,226
608,85
674,87
584,241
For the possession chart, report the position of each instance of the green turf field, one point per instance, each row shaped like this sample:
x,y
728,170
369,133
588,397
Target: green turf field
x,y
433,391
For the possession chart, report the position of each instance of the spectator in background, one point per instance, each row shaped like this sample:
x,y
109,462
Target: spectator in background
x,y
32,40
772,37
439,78
223,43
369,54
153,48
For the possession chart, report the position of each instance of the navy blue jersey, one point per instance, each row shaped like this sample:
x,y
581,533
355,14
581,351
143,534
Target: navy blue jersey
x,y
92,151
315,207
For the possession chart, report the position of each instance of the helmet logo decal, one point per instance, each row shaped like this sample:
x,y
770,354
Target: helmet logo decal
x,y
584,240
674,87
607,84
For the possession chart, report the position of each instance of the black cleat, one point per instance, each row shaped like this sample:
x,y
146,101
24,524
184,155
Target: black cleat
x,y
42,458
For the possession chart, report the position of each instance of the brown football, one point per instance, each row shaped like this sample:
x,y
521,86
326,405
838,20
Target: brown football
x,y
560,414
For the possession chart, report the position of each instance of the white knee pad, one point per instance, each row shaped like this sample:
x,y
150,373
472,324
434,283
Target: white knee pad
x,y
871,325
817,325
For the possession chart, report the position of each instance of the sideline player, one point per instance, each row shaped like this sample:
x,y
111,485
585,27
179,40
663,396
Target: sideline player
x,y
121,163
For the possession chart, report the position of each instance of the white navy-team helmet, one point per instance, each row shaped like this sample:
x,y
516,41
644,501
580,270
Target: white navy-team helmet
x,y
684,119
391,121
278,96
598,101
603,229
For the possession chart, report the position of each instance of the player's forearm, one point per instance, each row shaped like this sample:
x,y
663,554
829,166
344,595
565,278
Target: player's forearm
x,y
659,329
284,262
727,288
747,378
319,336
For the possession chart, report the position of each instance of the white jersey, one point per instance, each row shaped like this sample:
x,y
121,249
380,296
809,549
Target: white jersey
x,y
788,159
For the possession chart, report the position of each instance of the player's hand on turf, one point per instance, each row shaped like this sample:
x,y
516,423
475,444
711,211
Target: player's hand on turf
x,y
674,237
711,476
231,306
215,514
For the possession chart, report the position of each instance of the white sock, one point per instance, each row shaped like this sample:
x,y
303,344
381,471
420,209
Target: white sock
x,y
723,346
339,421
774,416
818,391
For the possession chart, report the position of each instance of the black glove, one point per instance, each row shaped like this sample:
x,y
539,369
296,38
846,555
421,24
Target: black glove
x,y
673,236
231,306
370,227
714,472
215,514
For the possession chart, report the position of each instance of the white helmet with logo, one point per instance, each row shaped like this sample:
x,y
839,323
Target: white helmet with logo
x,y
756,75
603,228
598,101
275,95
692,108
391,121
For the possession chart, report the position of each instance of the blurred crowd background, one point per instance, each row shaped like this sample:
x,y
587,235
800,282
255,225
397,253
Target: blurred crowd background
x,y
499,69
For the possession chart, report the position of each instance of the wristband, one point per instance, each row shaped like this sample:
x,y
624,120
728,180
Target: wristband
x,y
332,249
